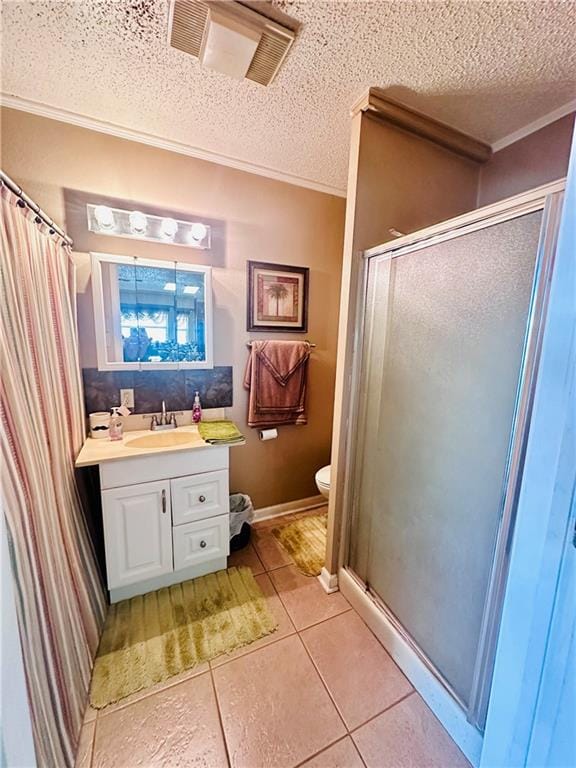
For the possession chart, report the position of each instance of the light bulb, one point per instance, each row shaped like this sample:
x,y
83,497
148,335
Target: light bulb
x,y
138,222
168,228
198,232
104,216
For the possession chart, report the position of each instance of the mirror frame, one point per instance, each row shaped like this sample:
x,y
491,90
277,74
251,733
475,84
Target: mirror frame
x,y
100,321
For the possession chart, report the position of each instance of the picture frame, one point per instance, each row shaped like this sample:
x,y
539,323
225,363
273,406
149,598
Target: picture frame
x,y
277,297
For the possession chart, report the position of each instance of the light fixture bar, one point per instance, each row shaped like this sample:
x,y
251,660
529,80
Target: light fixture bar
x,y
120,222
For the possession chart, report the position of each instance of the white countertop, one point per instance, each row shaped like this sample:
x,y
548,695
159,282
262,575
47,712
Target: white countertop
x,y
99,451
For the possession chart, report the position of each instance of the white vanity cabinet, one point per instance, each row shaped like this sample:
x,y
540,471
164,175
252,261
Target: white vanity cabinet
x,y
166,518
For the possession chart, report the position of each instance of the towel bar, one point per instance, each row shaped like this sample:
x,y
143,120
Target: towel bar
x,y
249,343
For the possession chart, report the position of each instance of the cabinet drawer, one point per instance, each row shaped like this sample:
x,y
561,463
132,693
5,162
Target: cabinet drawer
x,y
201,541
197,497
162,465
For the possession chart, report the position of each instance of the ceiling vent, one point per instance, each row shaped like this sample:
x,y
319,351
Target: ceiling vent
x,y
241,39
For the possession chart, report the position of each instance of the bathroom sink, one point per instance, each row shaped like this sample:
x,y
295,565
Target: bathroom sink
x,y
161,440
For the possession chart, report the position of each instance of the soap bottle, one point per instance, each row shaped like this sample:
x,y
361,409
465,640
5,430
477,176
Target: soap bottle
x,y
116,427
196,409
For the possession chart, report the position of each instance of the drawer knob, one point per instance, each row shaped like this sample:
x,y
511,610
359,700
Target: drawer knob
x,y
201,499
202,543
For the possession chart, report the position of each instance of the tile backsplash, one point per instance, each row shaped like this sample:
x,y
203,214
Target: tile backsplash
x,y
177,388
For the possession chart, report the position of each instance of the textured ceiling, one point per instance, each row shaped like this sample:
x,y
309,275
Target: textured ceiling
x,y
488,67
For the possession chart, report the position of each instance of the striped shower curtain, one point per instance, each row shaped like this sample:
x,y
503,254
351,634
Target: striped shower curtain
x,y
60,602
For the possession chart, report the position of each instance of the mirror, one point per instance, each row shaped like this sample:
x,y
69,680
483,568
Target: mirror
x,y
151,314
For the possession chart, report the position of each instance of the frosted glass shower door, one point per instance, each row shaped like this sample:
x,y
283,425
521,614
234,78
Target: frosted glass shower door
x,y
444,333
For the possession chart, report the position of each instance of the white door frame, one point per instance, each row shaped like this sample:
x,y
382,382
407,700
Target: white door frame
x,y
536,594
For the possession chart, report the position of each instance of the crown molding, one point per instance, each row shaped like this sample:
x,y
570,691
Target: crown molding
x,y
534,126
112,129
377,103
375,100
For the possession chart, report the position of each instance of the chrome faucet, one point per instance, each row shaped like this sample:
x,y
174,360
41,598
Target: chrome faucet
x,y
165,421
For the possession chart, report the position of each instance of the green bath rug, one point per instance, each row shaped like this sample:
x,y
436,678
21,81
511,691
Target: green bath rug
x,y
305,542
153,637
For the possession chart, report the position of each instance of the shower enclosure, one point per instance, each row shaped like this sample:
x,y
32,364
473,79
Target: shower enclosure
x,y
448,333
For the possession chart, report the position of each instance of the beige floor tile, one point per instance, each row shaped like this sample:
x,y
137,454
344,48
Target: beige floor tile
x,y
407,736
285,626
275,710
84,752
90,714
178,726
200,669
247,557
305,599
343,754
270,551
360,675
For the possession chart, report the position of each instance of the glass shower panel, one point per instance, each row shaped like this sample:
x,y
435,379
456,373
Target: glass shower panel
x,y
443,340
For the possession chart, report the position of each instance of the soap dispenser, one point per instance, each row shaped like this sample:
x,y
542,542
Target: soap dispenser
x,y
196,409
116,427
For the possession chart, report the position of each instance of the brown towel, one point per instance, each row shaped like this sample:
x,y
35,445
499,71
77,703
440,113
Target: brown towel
x,y
276,377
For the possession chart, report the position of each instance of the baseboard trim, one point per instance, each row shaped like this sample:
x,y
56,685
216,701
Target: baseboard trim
x,y
422,678
329,581
298,505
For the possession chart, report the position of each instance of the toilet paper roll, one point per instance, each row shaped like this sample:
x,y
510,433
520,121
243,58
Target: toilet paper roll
x,y
268,434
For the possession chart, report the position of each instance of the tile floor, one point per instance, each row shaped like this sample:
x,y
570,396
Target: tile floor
x,y
320,692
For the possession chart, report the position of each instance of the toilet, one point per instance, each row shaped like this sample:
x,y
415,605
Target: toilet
x,y
323,481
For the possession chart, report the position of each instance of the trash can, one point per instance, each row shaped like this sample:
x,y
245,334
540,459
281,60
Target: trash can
x,y
241,515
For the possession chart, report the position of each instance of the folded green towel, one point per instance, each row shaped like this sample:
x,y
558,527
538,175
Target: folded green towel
x,y
220,432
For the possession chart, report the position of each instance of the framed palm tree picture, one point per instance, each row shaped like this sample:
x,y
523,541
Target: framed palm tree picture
x,y
277,297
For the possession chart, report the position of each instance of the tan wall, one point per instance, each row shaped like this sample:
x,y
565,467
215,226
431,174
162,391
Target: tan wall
x,y
528,163
396,179
264,220
406,182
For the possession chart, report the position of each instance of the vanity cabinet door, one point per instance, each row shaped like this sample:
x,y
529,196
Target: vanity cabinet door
x,y
197,497
137,532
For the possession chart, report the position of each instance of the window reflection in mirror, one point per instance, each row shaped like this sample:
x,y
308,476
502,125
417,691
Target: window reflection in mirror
x,y
151,314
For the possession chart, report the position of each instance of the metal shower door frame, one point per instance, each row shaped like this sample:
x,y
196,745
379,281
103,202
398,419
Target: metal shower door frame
x,y
548,199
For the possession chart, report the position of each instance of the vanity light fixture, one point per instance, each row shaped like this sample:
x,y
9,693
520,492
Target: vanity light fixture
x,y
168,228
104,216
197,232
138,222
119,222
